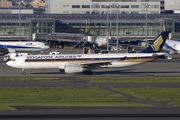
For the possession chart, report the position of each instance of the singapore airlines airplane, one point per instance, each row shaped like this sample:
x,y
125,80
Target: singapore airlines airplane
x,y
76,63
23,46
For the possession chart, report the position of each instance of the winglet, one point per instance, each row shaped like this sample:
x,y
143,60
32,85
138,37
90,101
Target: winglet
x,y
124,58
157,44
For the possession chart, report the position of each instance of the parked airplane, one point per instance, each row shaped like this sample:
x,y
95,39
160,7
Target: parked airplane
x,y
13,47
102,40
76,63
172,47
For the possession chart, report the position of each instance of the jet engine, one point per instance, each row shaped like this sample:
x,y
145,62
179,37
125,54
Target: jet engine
x,y
73,69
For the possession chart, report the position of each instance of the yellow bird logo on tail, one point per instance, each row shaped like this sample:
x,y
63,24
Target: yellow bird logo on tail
x,y
157,44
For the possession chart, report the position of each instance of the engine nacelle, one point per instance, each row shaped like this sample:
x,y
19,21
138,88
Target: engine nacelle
x,y
73,69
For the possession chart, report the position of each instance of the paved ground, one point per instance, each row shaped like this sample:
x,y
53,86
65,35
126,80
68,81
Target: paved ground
x,y
155,68
93,113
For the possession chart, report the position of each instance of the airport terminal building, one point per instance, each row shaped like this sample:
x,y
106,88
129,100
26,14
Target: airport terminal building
x,y
131,20
129,25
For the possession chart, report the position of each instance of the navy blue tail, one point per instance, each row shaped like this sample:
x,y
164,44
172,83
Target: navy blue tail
x,y
158,44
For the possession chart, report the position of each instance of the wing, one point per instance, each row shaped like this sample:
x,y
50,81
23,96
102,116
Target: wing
x,y
79,67
7,50
10,50
97,63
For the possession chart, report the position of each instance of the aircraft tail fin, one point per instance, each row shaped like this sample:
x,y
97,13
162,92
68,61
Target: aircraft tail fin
x,y
164,28
157,44
110,28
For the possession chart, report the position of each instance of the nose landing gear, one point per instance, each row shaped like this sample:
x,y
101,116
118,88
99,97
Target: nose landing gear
x,y
23,72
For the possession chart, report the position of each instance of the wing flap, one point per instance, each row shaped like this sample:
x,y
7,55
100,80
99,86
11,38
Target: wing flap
x,y
102,62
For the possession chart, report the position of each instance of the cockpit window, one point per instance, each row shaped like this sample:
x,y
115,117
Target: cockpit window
x,y
46,44
13,59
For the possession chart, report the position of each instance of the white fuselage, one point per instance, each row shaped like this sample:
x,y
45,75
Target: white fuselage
x,y
63,60
24,46
102,40
172,46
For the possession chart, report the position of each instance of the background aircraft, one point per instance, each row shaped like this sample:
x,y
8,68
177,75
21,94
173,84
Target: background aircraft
x,y
13,47
102,40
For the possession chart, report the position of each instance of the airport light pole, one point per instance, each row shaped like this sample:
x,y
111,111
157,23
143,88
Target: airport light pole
x,y
146,5
19,5
108,6
117,27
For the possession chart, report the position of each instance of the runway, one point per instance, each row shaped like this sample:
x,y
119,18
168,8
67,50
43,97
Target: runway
x,y
94,113
156,68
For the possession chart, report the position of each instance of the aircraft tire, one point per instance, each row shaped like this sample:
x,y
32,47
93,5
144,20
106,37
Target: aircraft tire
x,y
24,73
85,72
89,72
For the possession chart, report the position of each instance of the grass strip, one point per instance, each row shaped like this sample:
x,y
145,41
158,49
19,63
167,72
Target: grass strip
x,y
58,94
132,79
175,104
171,95
34,80
8,106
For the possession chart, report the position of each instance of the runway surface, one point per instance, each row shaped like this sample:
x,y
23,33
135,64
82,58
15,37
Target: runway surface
x,y
94,113
155,68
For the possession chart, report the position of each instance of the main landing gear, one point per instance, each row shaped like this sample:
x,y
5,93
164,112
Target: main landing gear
x,y
89,72
23,72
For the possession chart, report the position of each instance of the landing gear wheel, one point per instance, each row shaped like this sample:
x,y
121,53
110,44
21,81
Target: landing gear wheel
x,y
94,73
85,72
24,73
89,72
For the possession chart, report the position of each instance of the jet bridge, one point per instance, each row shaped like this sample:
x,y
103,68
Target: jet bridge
x,y
65,39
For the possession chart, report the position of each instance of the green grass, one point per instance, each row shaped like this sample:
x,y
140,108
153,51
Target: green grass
x,y
132,79
171,95
10,106
34,80
175,104
57,94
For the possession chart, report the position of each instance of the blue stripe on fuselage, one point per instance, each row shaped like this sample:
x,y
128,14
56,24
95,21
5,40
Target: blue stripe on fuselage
x,y
169,47
15,47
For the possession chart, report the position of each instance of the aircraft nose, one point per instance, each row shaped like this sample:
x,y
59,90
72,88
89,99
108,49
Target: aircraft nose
x,y
8,63
47,47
